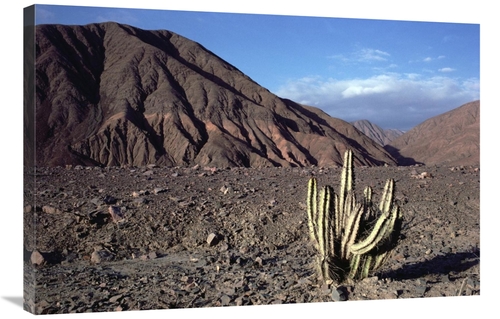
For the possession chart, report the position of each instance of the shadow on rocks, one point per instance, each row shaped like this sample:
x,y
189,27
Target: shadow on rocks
x,y
401,160
444,264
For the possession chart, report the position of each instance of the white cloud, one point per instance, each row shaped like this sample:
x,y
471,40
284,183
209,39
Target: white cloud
x,y
363,55
368,55
389,100
428,59
445,70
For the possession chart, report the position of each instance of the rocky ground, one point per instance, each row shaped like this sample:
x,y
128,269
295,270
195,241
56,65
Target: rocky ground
x,y
117,239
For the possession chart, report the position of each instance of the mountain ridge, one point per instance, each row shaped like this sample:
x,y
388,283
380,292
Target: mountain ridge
x,y
110,94
375,132
451,138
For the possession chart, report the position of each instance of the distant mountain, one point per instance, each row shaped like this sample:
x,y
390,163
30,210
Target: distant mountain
x,y
451,139
110,94
376,133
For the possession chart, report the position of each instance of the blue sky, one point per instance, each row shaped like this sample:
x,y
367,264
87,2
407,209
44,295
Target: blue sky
x,y
394,73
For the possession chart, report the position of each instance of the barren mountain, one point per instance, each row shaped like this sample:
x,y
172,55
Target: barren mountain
x,y
110,94
451,138
377,133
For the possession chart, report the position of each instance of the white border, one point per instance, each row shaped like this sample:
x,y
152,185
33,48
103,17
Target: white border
x,y
479,11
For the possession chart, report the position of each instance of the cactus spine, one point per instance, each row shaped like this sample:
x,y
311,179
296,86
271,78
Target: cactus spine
x,y
352,238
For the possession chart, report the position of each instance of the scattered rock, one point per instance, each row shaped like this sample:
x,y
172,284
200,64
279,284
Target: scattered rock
x,y
100,254
37,258
212,239
339,293
225,300
109,200
159,190
173,255
117,214
50,210
226,189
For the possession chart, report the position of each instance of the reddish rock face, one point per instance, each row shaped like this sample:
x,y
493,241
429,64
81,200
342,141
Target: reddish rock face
x,y
451,139
110,94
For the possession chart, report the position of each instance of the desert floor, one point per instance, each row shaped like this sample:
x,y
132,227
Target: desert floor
x,y
203,237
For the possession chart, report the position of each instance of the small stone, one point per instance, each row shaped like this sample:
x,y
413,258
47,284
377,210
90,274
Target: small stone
x,y
139,201
159,190
339,294
225,300
99,255
116,214
212,239
325,288
115,298
109,200
50,210
95,258
96,201
223,247
420,290
152,255
225,189
445,278
258,261
425,175
37,258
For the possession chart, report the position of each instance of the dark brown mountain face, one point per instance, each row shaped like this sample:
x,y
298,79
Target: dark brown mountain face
x,y
451,138
376,133
112,95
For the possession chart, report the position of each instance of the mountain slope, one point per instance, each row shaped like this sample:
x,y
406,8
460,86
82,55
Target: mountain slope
x,y
110,94
451,138
376,133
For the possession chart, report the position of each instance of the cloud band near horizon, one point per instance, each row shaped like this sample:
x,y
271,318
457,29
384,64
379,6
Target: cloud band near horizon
x,y
391,101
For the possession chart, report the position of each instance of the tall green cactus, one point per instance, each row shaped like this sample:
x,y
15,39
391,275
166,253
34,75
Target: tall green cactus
x,y
352,238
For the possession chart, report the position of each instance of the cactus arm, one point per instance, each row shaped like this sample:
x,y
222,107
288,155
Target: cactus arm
x,y
322,220
351,230
365,271
354,265
368,195
367,200
378,232
394,216
346,185
381,231
312,209
387,197
379,259
337,212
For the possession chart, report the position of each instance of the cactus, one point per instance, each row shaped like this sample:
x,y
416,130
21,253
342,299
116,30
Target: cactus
x,y
353,239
